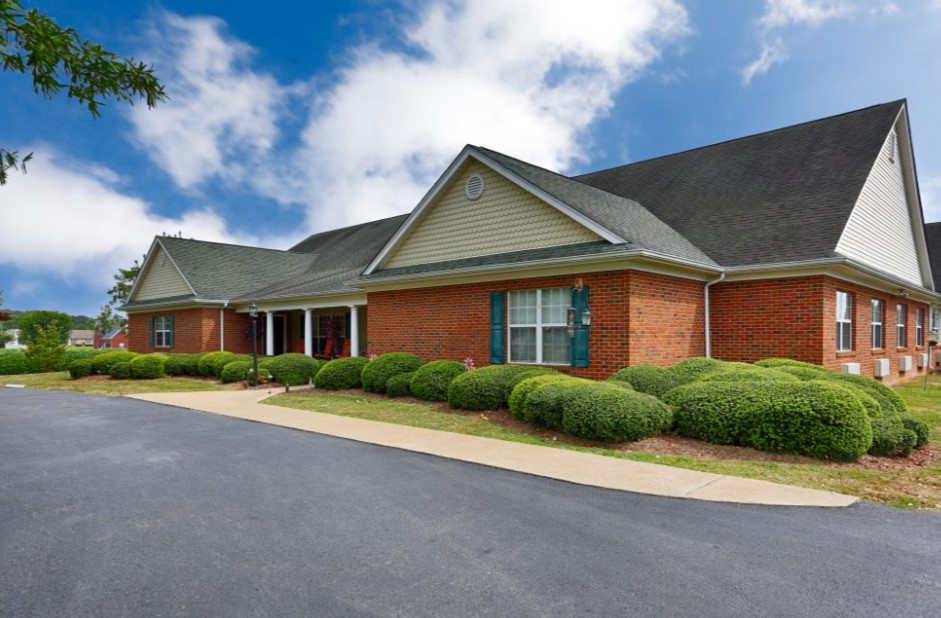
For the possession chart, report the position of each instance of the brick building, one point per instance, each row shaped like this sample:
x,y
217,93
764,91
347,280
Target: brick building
x,y
806,242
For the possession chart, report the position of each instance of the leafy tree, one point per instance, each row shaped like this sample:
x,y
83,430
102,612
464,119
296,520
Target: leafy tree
x,y
43,320
58,58
106,320
46,349
123,283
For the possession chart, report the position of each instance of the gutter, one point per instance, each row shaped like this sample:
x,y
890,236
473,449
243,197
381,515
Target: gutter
x,y
707,324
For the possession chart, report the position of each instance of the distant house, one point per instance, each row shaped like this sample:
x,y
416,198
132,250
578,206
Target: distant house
x,y
15,344
115,338
82,337
806,242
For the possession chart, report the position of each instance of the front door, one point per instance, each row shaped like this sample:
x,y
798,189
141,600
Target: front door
x,y
279,335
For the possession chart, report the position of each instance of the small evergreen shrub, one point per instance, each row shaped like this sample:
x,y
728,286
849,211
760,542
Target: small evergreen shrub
x,y
545,405
802,373
777,363
236,371
377,372
603,411
148,366
919,428
80,369
13,362
744,372
890,437
183,364
399,385
889,400
694,368
341,373
120,370
651,379
73,354
45,350
218,364
292,369
430,382
517,398
102,363
488,388
206,365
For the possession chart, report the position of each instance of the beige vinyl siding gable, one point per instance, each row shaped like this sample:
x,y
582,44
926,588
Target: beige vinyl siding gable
x,y
162,280
504,218
879,233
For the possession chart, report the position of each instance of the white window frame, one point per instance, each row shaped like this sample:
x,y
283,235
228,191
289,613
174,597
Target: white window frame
x,y
919,327
901,335
935,319
162,332
878,343
844,304
539,325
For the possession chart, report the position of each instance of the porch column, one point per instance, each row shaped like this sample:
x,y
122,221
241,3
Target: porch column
x,y
308,333
354,332
269,333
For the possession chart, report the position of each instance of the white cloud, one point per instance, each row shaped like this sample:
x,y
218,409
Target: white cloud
x,y
930,189
87,227
780,13
772,53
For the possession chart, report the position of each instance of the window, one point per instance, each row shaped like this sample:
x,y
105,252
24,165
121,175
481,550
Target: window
x,y
935,320
900,325
163,332
878,332
844,322
919,326
538,329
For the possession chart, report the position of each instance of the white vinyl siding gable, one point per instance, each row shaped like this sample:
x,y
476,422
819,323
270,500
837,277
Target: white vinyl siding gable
x,y
162,279
504,218
879,232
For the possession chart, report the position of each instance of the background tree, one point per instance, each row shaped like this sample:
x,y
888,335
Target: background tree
x,y
58,58
43,320
123,283
106,320
46,349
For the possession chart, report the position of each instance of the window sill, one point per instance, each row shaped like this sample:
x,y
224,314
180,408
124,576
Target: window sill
x,y
535,364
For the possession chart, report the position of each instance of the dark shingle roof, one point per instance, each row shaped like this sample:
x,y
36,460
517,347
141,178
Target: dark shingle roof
x,y
780,196
933,238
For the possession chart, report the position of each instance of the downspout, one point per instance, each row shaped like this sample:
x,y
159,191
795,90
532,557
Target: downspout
x,y
222,327
708,335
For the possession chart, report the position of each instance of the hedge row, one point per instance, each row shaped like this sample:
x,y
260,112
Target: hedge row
x,y
14,362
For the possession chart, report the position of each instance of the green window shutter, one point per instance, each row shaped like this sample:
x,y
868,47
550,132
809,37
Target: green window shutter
x,y
170,328
497,328
580,353
151,331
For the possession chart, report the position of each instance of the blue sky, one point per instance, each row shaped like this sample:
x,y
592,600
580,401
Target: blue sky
x,y
288,118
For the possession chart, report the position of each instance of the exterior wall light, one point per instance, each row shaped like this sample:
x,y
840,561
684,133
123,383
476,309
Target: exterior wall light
x,y
253,311
586,317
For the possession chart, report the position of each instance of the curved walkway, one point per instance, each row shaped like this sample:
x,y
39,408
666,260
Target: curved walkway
x,y
572,466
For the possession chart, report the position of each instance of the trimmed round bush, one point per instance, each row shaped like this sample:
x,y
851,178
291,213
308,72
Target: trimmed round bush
x,y
890,437
545,405
603,411
694,368
743,372
919,428
206,365
183,364
517,398
777,363
807,418
889,400
102,363
488,388
430,382
292,369
341,373
120,371
218,364
73,354
802,373
236,371
80,369
399,385
651,379
377,372
148,366
13,362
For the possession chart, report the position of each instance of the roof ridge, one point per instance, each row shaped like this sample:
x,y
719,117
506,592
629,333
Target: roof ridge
x,y
225,244
902,101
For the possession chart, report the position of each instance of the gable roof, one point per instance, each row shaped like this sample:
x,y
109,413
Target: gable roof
x,y
111,334
933,238
780,196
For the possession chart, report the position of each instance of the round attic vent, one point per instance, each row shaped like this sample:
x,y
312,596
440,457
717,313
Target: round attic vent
x,y
474,187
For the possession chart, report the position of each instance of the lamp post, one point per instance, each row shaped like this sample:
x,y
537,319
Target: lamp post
x,y
253,314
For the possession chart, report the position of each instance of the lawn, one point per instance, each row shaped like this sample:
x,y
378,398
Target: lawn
x,y
99,385
912,483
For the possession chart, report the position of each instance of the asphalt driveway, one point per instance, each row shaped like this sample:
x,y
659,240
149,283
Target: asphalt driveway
x,y
116,507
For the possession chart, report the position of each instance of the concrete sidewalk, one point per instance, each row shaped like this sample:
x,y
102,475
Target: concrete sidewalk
x,y
564,465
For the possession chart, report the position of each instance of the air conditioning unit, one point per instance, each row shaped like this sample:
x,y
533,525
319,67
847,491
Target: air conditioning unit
x,y
922,361
905,363
852,368
880,367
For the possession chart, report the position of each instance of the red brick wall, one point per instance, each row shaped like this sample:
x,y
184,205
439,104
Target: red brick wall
x,y
636,318
194,330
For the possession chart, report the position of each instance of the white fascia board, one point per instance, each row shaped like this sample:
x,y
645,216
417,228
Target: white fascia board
x,y
471,152
145,268
913,192
309,302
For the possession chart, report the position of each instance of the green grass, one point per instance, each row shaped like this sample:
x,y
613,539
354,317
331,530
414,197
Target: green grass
x,y
60,381
903,487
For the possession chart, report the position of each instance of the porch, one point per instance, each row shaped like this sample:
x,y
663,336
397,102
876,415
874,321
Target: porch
x,y
326,332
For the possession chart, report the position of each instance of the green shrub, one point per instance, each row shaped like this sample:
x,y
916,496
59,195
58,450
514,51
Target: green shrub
x,y
293,369
377,372
694,368
650,379
206,365
399,385
603,411
545,405
13,362
808,418
73,354
236,370
517,398
80,369
890,437
488,388
889,400
148,366
120,370
430,382
341,373
743,372
183,364
45,352
919,428
219,363
802,373
777,363
102,363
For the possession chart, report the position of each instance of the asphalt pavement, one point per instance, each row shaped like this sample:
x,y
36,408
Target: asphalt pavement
x,y
117,507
